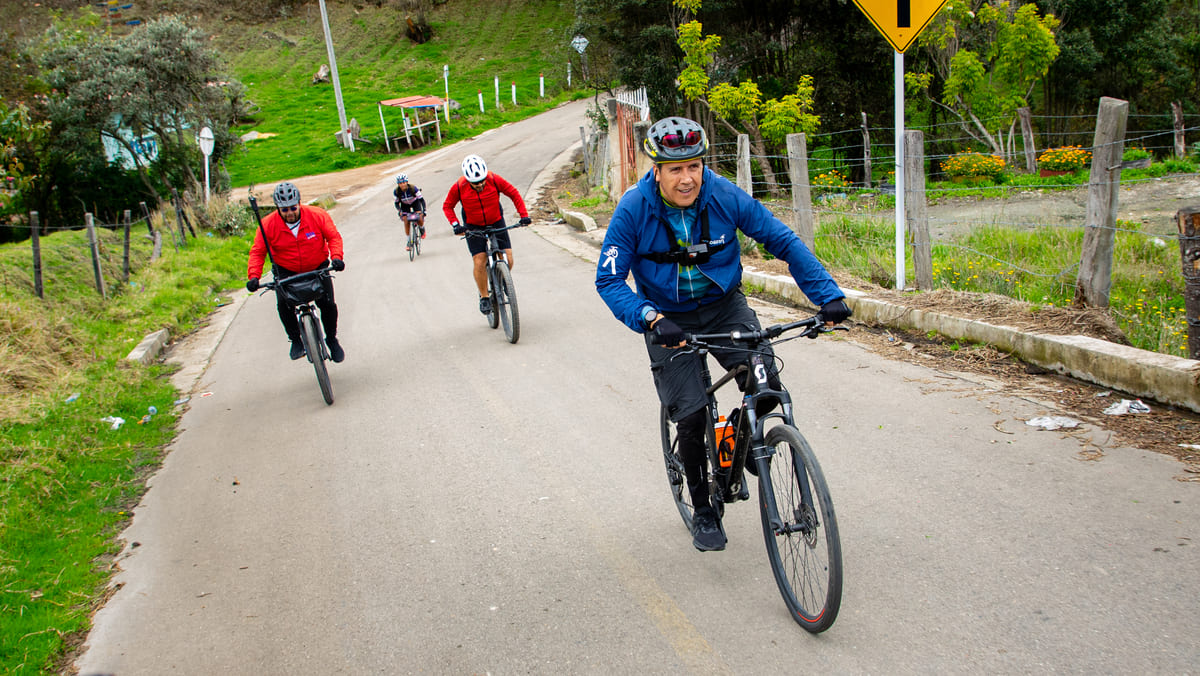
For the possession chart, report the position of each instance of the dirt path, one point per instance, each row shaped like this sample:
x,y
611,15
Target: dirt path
x,y
1151,202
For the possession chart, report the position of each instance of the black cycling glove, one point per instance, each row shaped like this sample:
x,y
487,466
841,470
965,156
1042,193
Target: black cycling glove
x,y
337,264
525,221
252,284
666,332
458,229
835,311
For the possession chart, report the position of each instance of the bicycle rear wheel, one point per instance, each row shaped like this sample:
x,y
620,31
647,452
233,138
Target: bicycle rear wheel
x,y
506,303
676,478
311,336
805,551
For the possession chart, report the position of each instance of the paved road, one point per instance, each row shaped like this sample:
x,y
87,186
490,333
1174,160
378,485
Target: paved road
x,y
470,506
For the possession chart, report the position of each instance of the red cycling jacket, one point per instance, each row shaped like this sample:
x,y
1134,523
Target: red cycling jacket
x,y
316,240
481,208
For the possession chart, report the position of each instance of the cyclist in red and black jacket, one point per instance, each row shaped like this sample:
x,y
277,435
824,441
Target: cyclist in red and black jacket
x,y
301,238
479,193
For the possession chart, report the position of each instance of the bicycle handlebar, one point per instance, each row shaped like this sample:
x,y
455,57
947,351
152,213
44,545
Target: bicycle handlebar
x,y
812,327
324,270
483,232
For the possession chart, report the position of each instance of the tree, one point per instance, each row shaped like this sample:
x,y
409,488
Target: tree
x,y
772,119
989,60
162,80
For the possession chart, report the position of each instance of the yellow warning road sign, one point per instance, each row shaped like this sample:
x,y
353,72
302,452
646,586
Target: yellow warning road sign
x,y
900,21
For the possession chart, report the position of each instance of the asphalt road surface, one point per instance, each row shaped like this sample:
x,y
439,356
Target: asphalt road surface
x,y
468,506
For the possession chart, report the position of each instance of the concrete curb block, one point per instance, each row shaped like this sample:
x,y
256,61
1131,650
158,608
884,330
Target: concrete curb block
x,y
147,350
1168,379
579,221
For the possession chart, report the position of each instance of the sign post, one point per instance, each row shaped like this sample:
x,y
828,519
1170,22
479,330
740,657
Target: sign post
x,y
206,147
580,43
900,22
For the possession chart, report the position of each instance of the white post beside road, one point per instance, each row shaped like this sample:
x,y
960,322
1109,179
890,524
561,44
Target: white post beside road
x,y
347,138
446,77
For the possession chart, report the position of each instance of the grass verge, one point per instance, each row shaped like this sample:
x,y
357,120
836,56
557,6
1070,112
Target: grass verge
x,y
68,479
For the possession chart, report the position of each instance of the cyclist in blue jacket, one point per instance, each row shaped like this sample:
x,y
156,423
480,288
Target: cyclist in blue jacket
x,y
676,232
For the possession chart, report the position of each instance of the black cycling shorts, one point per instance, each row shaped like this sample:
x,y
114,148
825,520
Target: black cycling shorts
x,y
678,380
477,244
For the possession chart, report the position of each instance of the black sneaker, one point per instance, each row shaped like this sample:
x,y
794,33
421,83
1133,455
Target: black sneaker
x,y
707,533
336,353
485,305
297,350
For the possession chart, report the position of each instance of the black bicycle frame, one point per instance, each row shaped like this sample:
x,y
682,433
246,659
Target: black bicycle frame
x,y
750,438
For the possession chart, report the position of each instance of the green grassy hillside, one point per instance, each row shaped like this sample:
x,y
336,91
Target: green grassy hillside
x,y
515,41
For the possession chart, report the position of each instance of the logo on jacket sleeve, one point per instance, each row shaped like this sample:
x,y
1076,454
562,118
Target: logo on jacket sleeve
x,y
610,259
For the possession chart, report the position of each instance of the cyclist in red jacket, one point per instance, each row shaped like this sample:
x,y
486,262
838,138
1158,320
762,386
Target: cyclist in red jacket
x,y
479,193
300,238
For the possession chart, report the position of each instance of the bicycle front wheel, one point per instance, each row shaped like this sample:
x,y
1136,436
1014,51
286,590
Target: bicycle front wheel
x,y
506,303
418,231
802,533
412,242
311,336
493,317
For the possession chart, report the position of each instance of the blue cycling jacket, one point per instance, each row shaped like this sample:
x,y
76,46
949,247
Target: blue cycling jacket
x,y
639,227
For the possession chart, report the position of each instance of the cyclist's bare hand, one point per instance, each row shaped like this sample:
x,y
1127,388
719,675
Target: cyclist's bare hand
x,y
666,333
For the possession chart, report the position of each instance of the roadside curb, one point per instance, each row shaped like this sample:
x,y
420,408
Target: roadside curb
x,y
1171,380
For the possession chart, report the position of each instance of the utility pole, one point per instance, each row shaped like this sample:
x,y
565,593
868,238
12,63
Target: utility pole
x,y
347,138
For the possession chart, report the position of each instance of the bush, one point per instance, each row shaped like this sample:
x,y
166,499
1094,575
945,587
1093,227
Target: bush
x,y
973,165
1135,153
1065,158
829,182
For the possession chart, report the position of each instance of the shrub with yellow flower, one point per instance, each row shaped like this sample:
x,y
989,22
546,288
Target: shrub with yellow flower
x,y
1065,158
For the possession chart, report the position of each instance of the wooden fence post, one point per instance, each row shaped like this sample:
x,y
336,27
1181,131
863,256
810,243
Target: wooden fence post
x,y
95,247
916,212
1180,140
866,133
804,220
1027,138
37,253
146,215
157,245
125,258
745,180
1188,220
1094,283
183,218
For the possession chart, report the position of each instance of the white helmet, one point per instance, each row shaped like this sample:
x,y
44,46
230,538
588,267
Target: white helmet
x,y
474,168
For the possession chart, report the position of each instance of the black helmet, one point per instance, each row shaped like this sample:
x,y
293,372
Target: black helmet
x,y
286,195
675,139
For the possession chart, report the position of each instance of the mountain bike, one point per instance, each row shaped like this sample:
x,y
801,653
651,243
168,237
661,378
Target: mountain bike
x,y
303,289
415,232
501,291
798,522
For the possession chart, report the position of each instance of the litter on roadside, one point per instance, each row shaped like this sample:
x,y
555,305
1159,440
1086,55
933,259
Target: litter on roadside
x,y
1127,406
1052,422
116,422
73,398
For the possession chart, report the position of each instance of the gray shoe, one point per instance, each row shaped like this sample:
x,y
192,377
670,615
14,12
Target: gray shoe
x,y
485,305
297,350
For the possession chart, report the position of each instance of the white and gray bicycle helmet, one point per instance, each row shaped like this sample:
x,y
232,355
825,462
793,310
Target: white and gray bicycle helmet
x,y
402,178
286,195
474,168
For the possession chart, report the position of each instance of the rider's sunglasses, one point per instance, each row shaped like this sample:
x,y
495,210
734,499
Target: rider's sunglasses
x,y
291,208
477,184
679,140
